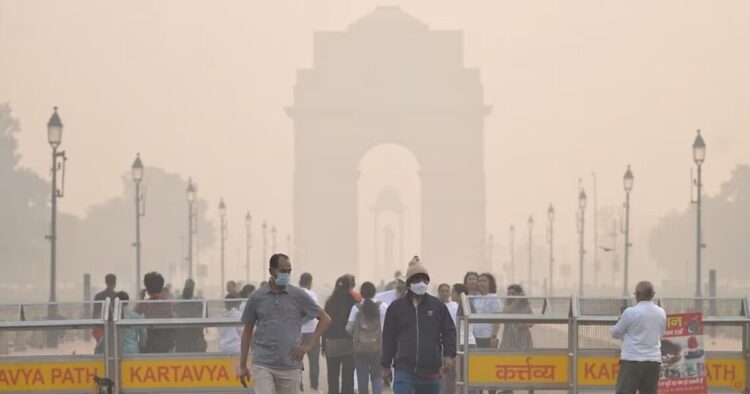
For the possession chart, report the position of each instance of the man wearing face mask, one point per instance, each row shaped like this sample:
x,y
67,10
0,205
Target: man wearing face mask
x,y
273,319
419,337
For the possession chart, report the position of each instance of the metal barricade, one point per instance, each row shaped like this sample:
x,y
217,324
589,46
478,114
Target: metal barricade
x,y
52,348
596,354
189,345
547,344
534,350
725,340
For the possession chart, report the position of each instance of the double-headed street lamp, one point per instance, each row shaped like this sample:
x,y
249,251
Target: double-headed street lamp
x,y
191,230
699,155
137,173
54,137
248,223
530,223
550,242
223,234
581,223
627,182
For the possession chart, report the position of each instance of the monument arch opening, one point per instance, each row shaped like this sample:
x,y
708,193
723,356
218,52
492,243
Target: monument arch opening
x,y
389,210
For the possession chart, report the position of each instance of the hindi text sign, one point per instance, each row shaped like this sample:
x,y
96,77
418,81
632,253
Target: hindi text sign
x,y
518,369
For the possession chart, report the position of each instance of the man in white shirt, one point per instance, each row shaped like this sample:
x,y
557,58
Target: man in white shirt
x,y
387,297
308,328
640,327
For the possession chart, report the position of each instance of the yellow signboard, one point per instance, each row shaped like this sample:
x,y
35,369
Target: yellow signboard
x,y
723,373
727,373
48,376
180,373
500,368
598,371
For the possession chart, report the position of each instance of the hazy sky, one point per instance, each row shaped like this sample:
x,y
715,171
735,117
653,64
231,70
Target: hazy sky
x,y
199,87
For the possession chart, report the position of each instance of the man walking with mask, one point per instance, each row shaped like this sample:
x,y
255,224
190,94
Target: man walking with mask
x,y
273,319
419,337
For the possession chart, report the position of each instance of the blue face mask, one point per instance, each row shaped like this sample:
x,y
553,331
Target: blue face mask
x,y
282,278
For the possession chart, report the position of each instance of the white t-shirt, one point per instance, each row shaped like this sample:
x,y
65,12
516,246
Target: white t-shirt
x,y
386,297
487,304
355,312
308,327
230,336
453,310
640,327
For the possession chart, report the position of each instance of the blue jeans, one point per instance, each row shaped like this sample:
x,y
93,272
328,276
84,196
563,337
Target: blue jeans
x,y
406,383
369,369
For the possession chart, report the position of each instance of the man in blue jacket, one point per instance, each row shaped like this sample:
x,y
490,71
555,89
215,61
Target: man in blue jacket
x,y
419,337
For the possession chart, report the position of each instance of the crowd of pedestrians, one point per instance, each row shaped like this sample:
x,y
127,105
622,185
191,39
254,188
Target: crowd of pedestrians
x,y
400,336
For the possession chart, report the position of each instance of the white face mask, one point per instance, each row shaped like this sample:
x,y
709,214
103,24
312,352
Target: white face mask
x,y
419,288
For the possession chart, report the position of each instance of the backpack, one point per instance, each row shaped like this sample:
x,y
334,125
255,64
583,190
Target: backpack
x,y
367,333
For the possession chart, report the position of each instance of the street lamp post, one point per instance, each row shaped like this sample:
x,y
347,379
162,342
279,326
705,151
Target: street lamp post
x,y
137,173
699,155
581,224
595,230
264,230
627,182
54,137
531,250
191,230
550,242
512,267
248,223
223,235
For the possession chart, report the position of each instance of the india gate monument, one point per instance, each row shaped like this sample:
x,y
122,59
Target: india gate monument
x,y
389,79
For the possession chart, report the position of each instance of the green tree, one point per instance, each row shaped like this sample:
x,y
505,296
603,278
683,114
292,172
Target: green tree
x,y
725,216
23,211
103,241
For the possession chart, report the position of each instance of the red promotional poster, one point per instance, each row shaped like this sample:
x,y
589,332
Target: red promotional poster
x,y
683,359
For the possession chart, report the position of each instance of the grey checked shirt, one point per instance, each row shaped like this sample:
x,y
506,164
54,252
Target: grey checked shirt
x,y
278,319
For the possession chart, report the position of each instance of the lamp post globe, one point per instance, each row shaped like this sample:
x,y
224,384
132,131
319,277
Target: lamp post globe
x,y
190,191
627,180
222,208
137,168
54,130
582,200
699,149
551,213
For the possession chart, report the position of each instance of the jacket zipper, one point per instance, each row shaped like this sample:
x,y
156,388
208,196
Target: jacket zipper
x,y
416,314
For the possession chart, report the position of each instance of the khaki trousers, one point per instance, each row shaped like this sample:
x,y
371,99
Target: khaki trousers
x,y
276,381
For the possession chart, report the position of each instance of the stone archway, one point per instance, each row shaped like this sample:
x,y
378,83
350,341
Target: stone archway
x,y
389,79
